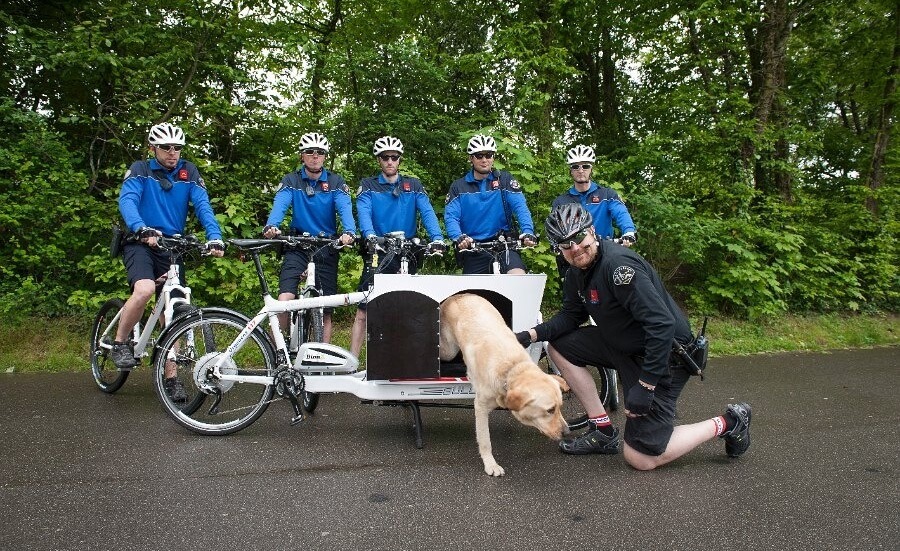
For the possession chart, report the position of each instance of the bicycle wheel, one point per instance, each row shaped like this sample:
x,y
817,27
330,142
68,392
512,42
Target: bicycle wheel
x,y
190,348
103,332
572,410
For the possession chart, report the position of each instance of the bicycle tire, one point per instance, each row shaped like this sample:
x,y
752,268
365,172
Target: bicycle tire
x,y
232,406
108,378
572,410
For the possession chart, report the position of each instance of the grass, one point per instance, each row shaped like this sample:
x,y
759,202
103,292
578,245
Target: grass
x,y
61,344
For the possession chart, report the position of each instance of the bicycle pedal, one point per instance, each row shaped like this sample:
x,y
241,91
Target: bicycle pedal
x,y
296,420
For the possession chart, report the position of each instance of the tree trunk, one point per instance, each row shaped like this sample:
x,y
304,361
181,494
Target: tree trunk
x,y
885,123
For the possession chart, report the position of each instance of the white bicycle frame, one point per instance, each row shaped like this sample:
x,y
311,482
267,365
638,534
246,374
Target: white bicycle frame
x,y
165,306
527,291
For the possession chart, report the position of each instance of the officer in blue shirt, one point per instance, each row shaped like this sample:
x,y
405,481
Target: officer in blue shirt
x,y
481,205
389,203
602,202
316,198
154,202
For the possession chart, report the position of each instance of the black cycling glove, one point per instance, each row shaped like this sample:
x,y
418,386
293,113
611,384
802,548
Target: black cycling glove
x,y
524,338
639,400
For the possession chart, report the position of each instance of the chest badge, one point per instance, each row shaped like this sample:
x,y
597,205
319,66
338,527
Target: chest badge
x,y
594,296
325,186
183,175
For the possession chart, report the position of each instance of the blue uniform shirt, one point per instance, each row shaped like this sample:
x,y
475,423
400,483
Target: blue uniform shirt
x,y
314,213
483,208
604,205
143,201
384,207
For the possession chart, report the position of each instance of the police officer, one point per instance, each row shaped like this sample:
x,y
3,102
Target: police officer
x,y
386,203
316,198
481,205
154,202
637,325
602,202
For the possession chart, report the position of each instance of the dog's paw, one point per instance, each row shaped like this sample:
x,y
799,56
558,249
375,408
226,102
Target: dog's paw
x,y
493,469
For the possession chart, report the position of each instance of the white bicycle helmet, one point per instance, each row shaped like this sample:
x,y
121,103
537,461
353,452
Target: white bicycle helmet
x,y
480,142
387,143
166,134
580,154
314,140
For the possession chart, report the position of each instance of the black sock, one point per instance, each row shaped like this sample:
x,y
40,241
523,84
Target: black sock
x,y
606,429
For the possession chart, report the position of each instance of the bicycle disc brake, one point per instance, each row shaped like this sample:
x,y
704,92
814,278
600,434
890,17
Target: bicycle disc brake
x,y
203,374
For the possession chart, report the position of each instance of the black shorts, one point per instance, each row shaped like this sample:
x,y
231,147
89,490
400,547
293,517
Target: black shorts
x,y
294,267
649,434
145,262
392,267
481,262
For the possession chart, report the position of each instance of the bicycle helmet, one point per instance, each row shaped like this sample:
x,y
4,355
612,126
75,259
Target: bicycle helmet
x,y
314,140
387,143
165,134
480,142
567,220
581,154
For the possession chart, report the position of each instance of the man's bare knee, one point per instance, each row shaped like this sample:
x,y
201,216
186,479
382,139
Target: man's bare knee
x,y
638,460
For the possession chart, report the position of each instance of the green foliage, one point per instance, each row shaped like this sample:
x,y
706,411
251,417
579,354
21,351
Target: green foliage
x,y
748,203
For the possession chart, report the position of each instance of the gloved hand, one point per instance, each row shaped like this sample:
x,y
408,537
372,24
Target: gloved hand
x,y
271,231
463,241
145,232
347,238
215,247
529,240
629,239
524,338
436,247
639,399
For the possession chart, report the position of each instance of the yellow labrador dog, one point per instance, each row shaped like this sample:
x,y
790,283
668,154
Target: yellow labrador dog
x,y
500,370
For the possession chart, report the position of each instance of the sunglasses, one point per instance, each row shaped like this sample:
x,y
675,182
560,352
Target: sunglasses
x,y
389,157
170,147
576,239
479,156
319,152
582,167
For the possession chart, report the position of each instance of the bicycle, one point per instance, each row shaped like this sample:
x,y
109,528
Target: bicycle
x,y
236,377
606,378
167,307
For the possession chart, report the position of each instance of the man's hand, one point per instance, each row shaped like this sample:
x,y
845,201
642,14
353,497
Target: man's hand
x,y
271,231
628,239
638,401
436,247
464,242
149,235
347,238
529,240
216,248
524,338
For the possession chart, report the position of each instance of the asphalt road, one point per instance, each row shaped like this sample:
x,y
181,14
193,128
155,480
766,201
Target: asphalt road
x,y
83,470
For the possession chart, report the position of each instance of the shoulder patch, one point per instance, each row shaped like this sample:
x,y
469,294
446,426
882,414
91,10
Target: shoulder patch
x,y
623,275
514,184
359,190
201,182
127,174
345,188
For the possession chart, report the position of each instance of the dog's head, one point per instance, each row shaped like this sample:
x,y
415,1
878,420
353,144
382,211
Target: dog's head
x,y
535,398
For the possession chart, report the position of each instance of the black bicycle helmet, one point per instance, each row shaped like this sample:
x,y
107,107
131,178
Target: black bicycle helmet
x,y
567,220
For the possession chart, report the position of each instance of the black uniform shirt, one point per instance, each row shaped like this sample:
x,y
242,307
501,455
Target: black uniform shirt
x,y
632,309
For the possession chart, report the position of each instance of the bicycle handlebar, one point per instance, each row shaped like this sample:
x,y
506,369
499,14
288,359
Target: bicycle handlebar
x,y
498,245
397,243
182,244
